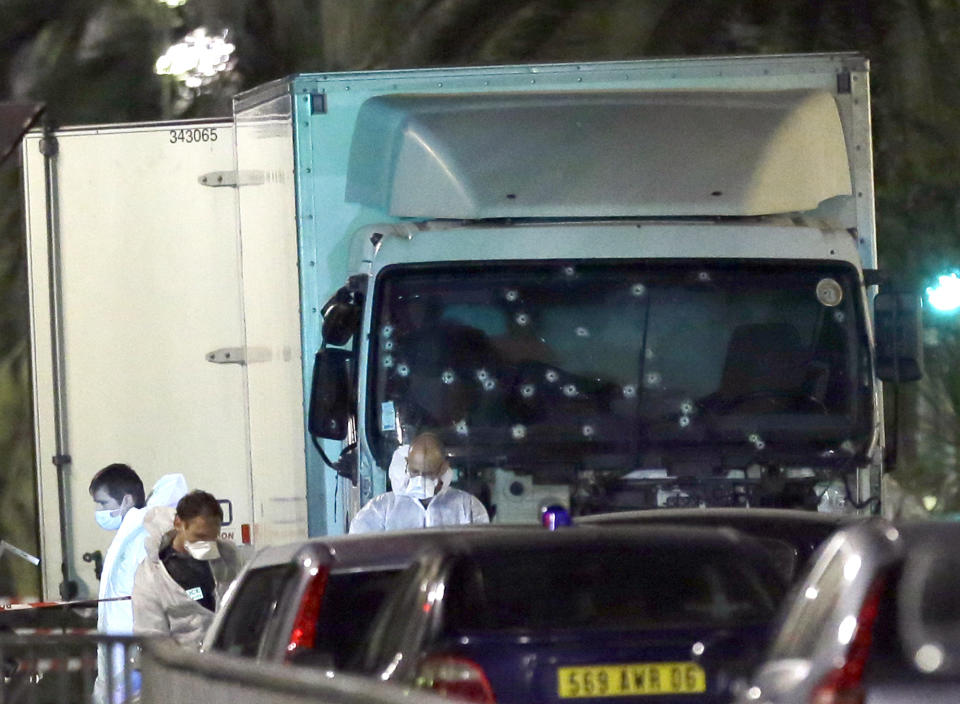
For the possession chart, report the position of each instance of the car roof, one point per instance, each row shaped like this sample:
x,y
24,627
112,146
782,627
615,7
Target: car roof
x,y
712,516
906,534
880,542
399,549
763,522
942,533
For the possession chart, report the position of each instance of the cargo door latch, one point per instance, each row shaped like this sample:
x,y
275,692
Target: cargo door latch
x,y
218,179
228,355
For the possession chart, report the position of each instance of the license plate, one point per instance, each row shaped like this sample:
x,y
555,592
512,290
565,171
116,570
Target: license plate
x,y
631,679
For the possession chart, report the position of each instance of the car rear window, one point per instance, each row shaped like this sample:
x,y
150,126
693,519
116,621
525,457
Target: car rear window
x,y
607,587
245,622
807,618
351,600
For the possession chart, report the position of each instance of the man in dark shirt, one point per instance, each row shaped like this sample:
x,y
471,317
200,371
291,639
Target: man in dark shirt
x,y
187,571
195,576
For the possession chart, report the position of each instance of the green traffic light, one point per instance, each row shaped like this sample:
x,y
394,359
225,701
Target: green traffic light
x,y
945,296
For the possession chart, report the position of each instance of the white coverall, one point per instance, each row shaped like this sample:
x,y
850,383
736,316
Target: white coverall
x,y
396,511
124,555
160,605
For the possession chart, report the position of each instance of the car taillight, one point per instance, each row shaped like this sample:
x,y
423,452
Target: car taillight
x,y
454,676
304,632
844,684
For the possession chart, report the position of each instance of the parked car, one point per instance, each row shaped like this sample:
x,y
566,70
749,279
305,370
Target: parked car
x,y
876,621
310,602
792,536
520,615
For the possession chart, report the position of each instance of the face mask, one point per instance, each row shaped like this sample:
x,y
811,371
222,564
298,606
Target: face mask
x,y
202,549
420,487
109,519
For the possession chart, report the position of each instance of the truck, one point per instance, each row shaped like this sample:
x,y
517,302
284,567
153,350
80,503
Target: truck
x,y
607,285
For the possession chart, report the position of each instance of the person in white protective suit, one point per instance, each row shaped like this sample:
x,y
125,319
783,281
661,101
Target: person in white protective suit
x,y
422,496
187,570
117,492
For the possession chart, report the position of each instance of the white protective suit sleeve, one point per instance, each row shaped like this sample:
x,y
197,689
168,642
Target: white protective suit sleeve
x,y
478,512
372,517
168,491
149,616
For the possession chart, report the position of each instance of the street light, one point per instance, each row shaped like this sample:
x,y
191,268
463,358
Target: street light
x,y
945,296
197,59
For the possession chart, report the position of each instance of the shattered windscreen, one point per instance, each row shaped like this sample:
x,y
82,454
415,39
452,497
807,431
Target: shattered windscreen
x,y
620,364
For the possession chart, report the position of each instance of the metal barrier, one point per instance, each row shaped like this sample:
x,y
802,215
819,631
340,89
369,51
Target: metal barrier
x,y
173,675
60,669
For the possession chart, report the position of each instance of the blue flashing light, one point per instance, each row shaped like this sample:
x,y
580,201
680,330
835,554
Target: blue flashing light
x,y
555,516
945,296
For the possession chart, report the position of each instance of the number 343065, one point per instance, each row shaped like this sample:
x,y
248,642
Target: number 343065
x,y
193,135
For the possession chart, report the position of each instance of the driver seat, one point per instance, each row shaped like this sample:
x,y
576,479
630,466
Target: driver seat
x,y
765,369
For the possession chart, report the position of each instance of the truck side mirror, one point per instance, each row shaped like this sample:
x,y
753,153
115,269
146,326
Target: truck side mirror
x,y
899,336
331,394
341,316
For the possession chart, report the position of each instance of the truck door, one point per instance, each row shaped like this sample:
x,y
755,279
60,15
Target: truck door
x,y
149,315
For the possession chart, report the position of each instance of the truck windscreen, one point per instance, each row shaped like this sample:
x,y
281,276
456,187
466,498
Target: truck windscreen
x,y
626,365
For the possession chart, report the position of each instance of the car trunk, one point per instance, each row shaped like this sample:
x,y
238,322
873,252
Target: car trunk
x,y
688,665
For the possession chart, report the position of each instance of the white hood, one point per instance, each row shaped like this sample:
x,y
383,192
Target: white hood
x,y
168,490
158,521
160,510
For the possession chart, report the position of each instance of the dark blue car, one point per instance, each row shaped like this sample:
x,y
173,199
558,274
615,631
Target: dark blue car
x,y
648,614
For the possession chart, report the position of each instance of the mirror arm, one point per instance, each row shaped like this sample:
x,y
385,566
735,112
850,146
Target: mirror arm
x,y
876,277
339,466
